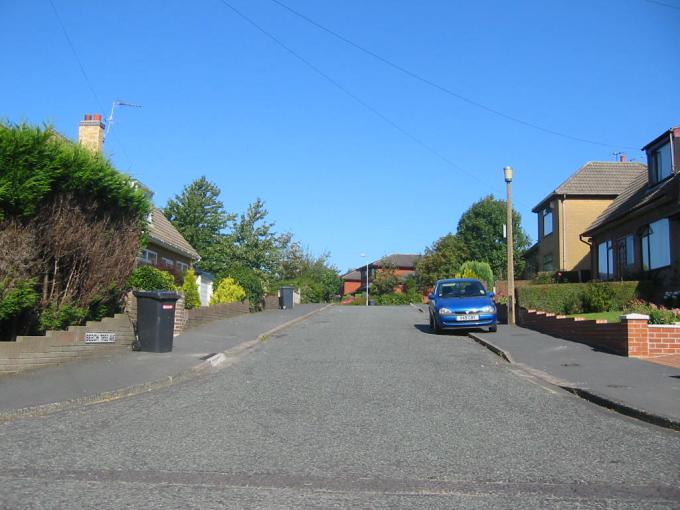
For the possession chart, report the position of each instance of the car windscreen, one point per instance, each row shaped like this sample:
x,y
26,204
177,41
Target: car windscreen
x,y
461,289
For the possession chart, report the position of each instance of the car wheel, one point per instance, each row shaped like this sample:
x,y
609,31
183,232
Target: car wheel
x,y
435,327
493,329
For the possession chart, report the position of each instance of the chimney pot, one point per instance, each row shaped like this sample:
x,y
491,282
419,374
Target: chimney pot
x,y
623,158
88,116
97,116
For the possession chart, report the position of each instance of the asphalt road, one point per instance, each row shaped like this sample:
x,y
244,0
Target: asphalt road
x,y
355,408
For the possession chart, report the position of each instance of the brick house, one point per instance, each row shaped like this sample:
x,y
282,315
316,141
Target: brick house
x,y
638,235
403,266
351,281
570,208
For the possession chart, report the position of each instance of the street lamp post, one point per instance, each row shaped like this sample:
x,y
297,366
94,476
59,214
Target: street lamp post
x,y
363,255
507,171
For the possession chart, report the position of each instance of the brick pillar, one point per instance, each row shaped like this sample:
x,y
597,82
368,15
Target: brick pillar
x,y
637,334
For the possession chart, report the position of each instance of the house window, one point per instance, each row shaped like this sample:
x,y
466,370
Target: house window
x,y
662,166
150,257
547,221
182,266
656,245
548,265
167,262
625,254
605,260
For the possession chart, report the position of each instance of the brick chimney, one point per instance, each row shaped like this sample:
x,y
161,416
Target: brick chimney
x,y
91,133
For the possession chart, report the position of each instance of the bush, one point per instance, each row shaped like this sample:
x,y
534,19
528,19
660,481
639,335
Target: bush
x,y
61,318
657,314
394,298
479,270
543,278
190,290
566,297
14,301
599,297
228,291
150,278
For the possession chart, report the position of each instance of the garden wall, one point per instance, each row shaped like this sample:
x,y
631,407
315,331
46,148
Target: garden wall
x,y
199,316
633,336
61,346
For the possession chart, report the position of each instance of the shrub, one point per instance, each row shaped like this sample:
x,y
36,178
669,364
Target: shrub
x,y
228,291
479,270
543,278
394,298
657,314
599,297
55,318
150,278
190,290
564,297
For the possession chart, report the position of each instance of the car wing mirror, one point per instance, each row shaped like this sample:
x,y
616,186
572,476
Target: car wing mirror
x,y
430,296
492,294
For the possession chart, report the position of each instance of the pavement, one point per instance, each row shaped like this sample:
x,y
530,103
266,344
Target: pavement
x,y
127,373
646,390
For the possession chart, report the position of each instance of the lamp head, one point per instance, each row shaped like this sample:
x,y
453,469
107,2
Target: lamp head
x,y
507,171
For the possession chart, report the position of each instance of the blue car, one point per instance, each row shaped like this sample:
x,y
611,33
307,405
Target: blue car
x,y
461,303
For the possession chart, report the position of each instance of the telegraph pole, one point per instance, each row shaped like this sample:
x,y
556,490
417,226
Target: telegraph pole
x,y
507,171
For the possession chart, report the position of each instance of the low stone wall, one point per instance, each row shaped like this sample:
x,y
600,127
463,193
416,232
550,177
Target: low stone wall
x,y
206,314
61,346
271,302
633,336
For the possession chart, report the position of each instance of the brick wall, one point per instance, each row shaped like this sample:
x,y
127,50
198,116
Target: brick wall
x,y
60,346
205,314
633,336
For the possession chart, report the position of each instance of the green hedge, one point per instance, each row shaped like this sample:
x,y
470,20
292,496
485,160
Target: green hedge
x,y
150,278
570,298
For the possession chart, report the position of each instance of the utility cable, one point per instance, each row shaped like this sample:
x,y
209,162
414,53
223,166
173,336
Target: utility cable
x,y
353,96
442,88
85,76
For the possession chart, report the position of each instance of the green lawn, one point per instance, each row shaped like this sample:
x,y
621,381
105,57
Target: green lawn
x,y
610,316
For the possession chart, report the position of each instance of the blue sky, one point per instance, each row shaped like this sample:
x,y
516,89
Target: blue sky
x,y
223,100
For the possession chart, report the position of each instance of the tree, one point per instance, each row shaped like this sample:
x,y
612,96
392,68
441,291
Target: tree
x,y
385,280
480,229
198,214
441,260
250,252
479,270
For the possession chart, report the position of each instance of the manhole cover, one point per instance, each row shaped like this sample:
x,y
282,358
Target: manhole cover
x,y
207,356
570,365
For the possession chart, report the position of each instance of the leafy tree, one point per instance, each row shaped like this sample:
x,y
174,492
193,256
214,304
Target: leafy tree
x,y
198,214
480,229
385,280
317,280
190,290
228,291
441,260
479,270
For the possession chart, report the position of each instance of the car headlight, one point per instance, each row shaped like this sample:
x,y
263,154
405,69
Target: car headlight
x,y
445,311
489,309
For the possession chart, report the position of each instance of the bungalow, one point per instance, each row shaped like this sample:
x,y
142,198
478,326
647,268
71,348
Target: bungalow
x,y
570,208
402,265
638,234
166,246
351,281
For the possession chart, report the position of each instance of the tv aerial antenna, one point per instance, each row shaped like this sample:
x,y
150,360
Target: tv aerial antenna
x,y
115,105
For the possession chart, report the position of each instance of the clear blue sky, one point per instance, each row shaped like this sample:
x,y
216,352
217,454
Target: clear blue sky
x,y
222,100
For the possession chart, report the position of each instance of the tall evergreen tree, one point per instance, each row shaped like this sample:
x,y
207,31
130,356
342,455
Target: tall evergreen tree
x,y
198,214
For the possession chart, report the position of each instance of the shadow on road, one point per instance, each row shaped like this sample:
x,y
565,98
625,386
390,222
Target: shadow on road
x,y
425,328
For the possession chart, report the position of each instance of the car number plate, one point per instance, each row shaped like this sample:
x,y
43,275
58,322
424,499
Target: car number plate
x,y
467,317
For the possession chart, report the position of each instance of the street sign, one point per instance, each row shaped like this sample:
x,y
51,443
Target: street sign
x,y
100,338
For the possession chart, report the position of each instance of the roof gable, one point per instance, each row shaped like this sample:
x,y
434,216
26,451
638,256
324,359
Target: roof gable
x,y
164,233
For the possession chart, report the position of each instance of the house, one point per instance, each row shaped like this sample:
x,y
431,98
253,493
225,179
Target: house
x,y
571,207
166,246
402,265
638,234
351,281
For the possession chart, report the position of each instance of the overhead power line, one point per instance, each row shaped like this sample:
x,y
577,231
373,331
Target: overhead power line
x,y
353,96
443,88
